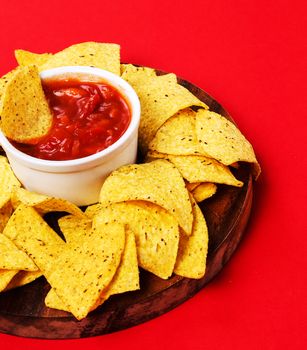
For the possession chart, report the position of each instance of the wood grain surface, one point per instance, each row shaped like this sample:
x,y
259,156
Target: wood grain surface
x,y
23,313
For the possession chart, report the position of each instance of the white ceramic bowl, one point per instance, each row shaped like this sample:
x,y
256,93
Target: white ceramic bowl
x,y
78,180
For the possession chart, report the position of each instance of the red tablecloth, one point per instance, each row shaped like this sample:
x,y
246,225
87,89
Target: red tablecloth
x,y
251,56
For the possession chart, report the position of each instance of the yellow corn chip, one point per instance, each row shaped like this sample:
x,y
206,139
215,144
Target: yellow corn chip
x,y
11,258
87,269
200,169
177,135
222,140
22,278
28,231
74,227
27,58
131,71
192,253
8,182
92,210
100,55
25,114
3,82
156,233
45,204
157,182
126,278
5,278
160,97
204,191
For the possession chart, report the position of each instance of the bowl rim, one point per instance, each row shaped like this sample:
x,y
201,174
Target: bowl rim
x,y
69,165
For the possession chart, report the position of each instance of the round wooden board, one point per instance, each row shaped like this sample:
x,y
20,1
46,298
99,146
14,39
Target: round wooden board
x,y
23,313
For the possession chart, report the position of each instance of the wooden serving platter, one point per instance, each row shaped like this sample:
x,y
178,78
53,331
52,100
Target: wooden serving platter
x,y
23,312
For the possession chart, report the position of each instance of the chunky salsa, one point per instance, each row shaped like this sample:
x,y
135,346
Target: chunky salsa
x,y
88,117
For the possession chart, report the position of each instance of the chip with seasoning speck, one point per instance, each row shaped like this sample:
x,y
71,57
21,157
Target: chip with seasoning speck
x,y
156,233
192,253
158,182
177,136
99,55
27,58
161,97
8,182
125,279
25,114
200,169
44,204
223,141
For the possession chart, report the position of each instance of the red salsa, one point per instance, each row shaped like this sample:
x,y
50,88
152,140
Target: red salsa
x,y
88,117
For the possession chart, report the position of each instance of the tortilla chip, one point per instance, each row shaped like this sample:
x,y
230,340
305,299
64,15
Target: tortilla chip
x,y
157,182
126,278
22,278
11,258
3,82
27,58
92,210
25,114
100,55
223,141
177,136
131,70
45,204
87,269
192,253
200,169
74,227
5,278
204,191
8,182
160,97
28,231
156,233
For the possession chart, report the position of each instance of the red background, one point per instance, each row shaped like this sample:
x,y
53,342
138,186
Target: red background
x,y
251,56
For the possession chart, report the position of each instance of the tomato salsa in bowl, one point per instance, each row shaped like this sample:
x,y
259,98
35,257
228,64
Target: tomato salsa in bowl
x,y
96,116
88,117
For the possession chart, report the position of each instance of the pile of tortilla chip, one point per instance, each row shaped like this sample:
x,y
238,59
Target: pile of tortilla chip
x,y
96,260
147,215
175,125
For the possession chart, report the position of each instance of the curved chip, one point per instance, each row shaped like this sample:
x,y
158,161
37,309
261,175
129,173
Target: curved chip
x,y
156,233
100,55
12,258
157,182
44,204
25,114
177,136
200,169
27,58
161,97
126,277
192,253
8,182
222,140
